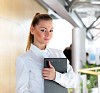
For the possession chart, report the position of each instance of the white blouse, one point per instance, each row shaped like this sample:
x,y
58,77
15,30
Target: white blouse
x,y
29,66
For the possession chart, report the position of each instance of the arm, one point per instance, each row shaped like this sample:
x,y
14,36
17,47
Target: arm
x,y
22,77
69,79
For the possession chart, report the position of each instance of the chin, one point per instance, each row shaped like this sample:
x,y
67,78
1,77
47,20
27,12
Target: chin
x,y
46,43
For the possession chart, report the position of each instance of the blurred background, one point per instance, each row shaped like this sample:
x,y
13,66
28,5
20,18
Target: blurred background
x,y
76,22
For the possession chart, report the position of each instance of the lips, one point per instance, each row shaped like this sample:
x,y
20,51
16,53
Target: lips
x,y
46,39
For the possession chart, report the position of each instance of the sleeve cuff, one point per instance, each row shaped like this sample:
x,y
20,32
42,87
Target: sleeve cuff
x,y
58,77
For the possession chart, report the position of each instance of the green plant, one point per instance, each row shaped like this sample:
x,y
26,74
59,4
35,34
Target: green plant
x,y
70,90
92,80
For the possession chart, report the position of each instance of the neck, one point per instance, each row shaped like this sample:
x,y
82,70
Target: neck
x,y
42,47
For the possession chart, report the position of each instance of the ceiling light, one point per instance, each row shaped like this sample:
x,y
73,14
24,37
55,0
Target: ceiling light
x,y
95,2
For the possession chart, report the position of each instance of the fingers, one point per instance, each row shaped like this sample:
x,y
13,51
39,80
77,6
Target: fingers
x,y
46,73
50,65
49,73
47,78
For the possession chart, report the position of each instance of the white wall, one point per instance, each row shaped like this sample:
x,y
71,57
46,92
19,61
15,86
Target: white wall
x,y
62,36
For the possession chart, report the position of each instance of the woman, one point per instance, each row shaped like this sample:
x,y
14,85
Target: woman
x,y
30,73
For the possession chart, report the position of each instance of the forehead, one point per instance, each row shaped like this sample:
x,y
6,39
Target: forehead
x,y
45,23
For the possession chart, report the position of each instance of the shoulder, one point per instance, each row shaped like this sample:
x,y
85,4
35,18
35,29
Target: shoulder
x,y
57,52
22,57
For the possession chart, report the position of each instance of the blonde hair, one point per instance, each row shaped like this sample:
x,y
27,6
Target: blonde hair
x,y
35,22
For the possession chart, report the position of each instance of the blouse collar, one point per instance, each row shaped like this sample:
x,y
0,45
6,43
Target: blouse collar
x,y
38,51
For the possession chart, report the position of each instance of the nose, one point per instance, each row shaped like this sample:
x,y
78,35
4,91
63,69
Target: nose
x,y
47,33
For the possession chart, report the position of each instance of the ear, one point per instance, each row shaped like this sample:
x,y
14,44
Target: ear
x,y
32,30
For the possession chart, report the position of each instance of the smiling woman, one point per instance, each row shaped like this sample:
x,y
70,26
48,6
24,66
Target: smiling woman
x,y
40,31
30,71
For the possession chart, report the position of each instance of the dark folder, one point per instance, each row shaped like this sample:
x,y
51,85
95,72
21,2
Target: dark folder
x,y
60,65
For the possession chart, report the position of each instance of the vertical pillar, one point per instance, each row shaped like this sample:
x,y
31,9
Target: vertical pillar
x,y
78,52
78,48
99,83
84,85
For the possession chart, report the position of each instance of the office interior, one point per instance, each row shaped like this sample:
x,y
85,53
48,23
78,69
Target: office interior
x,y
76,22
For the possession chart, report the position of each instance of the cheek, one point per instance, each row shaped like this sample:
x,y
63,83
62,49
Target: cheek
x,y
51,35
39,34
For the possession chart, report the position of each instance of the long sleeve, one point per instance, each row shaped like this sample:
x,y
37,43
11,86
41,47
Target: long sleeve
x,y
69,79
22,77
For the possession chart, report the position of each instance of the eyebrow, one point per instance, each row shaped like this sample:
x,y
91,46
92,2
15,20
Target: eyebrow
x,y
45,27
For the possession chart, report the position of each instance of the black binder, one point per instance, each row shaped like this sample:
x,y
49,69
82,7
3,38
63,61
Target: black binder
x,y
60,65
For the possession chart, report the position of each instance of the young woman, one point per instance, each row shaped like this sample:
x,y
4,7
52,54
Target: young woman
x,y
30,71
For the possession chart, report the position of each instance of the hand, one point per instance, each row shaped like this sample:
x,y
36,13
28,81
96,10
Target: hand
x,y
49,73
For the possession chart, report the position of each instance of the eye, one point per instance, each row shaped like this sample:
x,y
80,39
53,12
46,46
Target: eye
x,y
51,30
43,30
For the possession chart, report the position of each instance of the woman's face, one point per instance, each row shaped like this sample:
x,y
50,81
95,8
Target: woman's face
x,y
42,33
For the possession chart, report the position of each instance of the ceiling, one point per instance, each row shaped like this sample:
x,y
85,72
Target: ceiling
x,y
86,11
89,12
84,8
